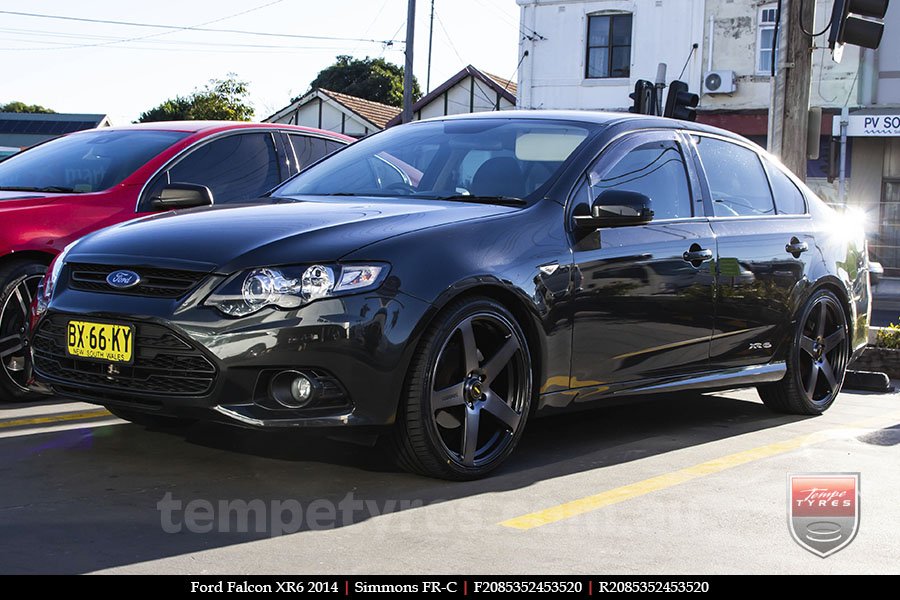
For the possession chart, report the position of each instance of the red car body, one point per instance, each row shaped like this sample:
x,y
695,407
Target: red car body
x,y
42,224
37,223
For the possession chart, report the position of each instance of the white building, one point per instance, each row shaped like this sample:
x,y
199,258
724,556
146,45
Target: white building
x,y
334,111
470,90
587,54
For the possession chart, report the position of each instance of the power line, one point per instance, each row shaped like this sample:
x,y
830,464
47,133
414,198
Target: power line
x,y
810,34
113,40
194,28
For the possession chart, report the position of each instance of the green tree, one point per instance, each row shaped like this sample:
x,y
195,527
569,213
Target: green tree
x,y
20,107
219,100
370,78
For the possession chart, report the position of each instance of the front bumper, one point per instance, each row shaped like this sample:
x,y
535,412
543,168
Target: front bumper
x,y
190,361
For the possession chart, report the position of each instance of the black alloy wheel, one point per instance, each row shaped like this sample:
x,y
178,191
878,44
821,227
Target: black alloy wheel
x,y
817,361
469,393
20,283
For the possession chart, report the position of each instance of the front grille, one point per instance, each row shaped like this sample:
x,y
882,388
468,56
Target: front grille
x,y
155,283
164,363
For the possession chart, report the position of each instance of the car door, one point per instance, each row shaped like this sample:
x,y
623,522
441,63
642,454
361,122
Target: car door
x,y
237,167
643,303
764,239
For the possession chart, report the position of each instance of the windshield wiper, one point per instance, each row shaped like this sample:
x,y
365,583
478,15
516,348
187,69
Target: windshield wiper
x,y
49,188
505,200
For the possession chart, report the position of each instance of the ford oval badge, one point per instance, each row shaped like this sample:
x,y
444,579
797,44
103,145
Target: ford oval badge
x,y
123,279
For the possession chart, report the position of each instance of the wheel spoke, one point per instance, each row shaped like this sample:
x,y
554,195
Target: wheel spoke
x,y
806,344
470,435
834,339
22,305
828,372
12,349
823,315
470,350
499,361
500,409
447,397
813,378
28,297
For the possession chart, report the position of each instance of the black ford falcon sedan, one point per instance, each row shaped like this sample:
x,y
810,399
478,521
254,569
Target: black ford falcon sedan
x,y
440,283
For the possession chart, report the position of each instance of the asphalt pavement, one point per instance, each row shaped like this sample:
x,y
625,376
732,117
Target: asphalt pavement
x,y
686,484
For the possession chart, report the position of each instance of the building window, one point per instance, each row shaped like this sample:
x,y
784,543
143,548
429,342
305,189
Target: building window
x,y
765,35
608,46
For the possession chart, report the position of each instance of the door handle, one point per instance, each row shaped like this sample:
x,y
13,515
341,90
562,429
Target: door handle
x,y
796,247
701,255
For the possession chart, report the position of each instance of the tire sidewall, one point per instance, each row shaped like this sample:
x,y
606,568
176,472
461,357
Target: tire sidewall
x,y
436,342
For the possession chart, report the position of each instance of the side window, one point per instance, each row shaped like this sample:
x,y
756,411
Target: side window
x,y
237,168
654,169
736,179
308,149
788,198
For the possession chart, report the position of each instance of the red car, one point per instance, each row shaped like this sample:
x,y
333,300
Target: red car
x,y
54,193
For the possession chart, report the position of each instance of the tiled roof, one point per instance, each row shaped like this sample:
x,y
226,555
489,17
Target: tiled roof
x,y
507,84
374,112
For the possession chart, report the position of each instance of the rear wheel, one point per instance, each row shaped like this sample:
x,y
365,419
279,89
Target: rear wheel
x,y
149,420
18,286
468,393
817,360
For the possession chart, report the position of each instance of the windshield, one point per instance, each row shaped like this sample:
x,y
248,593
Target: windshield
x,y
461,159
84,162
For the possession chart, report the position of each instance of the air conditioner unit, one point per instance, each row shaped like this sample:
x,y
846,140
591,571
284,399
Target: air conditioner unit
x,y
719,82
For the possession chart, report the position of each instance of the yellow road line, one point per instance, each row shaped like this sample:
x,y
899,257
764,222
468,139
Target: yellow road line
x,y
581,506
79,416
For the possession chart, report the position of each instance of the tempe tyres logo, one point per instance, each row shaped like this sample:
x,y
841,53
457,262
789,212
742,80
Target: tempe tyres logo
x,y
823,510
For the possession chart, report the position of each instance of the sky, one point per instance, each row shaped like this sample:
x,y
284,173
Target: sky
x,y
122,70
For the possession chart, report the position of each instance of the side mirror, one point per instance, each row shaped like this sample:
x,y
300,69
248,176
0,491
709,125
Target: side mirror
x,y
617,208
876,272
182,195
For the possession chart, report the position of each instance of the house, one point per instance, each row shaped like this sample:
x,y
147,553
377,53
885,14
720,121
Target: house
x,y
334,111
587,54
470,90
21,130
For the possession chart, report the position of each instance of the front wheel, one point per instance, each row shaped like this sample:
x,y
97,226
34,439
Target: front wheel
x,y
816,362
468,393
18,286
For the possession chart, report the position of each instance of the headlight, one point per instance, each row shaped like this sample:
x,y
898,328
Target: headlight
x,y
48,283
292,287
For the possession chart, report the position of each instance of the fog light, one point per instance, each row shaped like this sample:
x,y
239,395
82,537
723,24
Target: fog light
x,y
301,389
292,389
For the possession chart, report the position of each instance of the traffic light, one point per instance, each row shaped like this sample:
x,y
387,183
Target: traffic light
x,y
680,103
849,27
644,97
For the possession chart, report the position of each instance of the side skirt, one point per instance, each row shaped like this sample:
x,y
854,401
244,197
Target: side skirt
x,y
707,381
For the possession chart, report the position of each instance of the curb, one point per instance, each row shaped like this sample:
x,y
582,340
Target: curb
x,y
871,381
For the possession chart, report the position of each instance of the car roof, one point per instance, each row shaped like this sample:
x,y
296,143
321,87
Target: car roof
x,y
595,117
217,126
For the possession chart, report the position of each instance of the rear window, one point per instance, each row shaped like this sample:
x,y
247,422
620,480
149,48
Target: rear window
x,y
788,198
84,162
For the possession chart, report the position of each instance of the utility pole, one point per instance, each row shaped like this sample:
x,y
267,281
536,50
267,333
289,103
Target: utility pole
x,y
789,113
430,40
406,115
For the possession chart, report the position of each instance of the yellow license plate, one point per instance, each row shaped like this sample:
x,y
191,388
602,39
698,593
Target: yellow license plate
x,y
100,341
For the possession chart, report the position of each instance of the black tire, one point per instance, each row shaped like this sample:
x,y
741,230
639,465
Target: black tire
x,y
18,285
149,420
816,362
467,395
